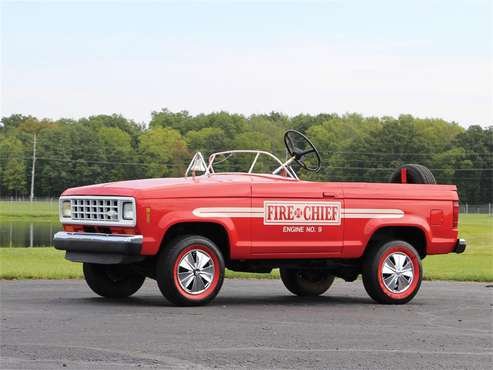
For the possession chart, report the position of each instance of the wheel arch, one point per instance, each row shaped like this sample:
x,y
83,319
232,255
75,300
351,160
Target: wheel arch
x,y
414,235
214,231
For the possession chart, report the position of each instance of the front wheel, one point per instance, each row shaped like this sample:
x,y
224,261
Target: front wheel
x,y
112,281
190,271
306,282
392,272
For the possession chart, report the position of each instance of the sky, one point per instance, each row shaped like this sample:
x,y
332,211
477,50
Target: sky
x,y
427,58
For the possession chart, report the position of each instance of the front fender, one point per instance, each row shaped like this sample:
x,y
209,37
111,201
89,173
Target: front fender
x,y
176,217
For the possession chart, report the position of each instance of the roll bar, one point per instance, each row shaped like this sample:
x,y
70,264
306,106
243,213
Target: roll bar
x,y
198,163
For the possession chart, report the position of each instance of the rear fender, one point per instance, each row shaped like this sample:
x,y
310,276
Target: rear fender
x,y
407,221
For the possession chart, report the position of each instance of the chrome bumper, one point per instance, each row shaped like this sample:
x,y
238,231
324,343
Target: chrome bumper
x,y
99,248
460,246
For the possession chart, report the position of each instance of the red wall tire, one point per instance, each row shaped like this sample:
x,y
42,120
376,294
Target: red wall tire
x,y
208,288
190,271
392,272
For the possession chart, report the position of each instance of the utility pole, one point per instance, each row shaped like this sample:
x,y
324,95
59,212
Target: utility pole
x,y
34,167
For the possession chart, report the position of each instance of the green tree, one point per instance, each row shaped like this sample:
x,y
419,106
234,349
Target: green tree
x,y
206,140
104,148
114,121
55,170
476,186
163,152
118,152
13,122
12,167
181,121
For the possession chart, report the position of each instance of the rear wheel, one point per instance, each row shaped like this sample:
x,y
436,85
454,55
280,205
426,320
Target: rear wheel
x,y
306,282
112,281
190,271
392,273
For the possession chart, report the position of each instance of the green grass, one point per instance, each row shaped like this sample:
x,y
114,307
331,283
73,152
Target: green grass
x,y
37,263
28,211
49,263
476,264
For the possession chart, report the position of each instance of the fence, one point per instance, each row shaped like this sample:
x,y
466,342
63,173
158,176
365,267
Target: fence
x,y
24,207
27,199
485,209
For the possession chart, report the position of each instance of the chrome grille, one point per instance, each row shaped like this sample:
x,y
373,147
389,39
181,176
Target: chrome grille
x,y
97,210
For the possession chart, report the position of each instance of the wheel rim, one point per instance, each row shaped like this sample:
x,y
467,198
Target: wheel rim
x,y
195,271
397,272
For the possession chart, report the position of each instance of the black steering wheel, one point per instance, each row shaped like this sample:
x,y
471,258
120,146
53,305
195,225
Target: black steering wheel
x,y
299,146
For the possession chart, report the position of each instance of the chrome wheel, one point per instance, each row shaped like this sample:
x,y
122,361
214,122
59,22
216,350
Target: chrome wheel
x,y
397,272
195,271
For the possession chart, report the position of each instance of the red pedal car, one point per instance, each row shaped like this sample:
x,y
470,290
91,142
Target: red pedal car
x,y
246,210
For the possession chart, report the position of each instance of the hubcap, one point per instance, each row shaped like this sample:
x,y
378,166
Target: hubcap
x,y
397,272
196,271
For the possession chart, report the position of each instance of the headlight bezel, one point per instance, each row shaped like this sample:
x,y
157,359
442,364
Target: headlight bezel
x,y
66,209
130,208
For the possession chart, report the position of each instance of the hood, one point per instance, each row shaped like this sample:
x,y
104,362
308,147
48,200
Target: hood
x,y
130,187
232,185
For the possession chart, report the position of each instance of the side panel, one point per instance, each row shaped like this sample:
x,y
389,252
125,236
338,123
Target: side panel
x,y
165,213
359,227
297,220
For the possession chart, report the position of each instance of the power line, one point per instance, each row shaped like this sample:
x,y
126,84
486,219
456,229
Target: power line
x,y
183,163
408,154
365,154
86,161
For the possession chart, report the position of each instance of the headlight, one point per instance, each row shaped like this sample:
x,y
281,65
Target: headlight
x,y
66,209
128,211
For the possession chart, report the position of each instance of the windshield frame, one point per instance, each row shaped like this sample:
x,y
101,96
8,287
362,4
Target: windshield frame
x,y
286,165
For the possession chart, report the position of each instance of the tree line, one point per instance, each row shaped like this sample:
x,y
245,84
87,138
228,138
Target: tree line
x,y
106,148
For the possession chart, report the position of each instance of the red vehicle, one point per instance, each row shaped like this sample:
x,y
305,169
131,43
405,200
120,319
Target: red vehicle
x,y
184,232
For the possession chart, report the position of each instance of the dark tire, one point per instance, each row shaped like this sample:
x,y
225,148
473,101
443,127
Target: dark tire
x,y
190,270
112,281
416,174
397,286
305,282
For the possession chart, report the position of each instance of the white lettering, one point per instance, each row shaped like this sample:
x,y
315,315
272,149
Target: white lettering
x,y
304,213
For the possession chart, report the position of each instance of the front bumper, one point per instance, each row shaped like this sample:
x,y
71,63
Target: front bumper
x,y
460,246
99,248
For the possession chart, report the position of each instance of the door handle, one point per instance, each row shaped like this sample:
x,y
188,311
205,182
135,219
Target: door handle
x,y
329,194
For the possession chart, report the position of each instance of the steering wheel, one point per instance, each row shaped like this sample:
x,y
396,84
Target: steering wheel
x,y
299,146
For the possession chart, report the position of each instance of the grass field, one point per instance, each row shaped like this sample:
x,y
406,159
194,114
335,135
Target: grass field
x,y
26,211
476,264
49,263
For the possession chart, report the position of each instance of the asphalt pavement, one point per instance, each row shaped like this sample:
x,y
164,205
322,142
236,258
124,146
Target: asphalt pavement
x,y
251,324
